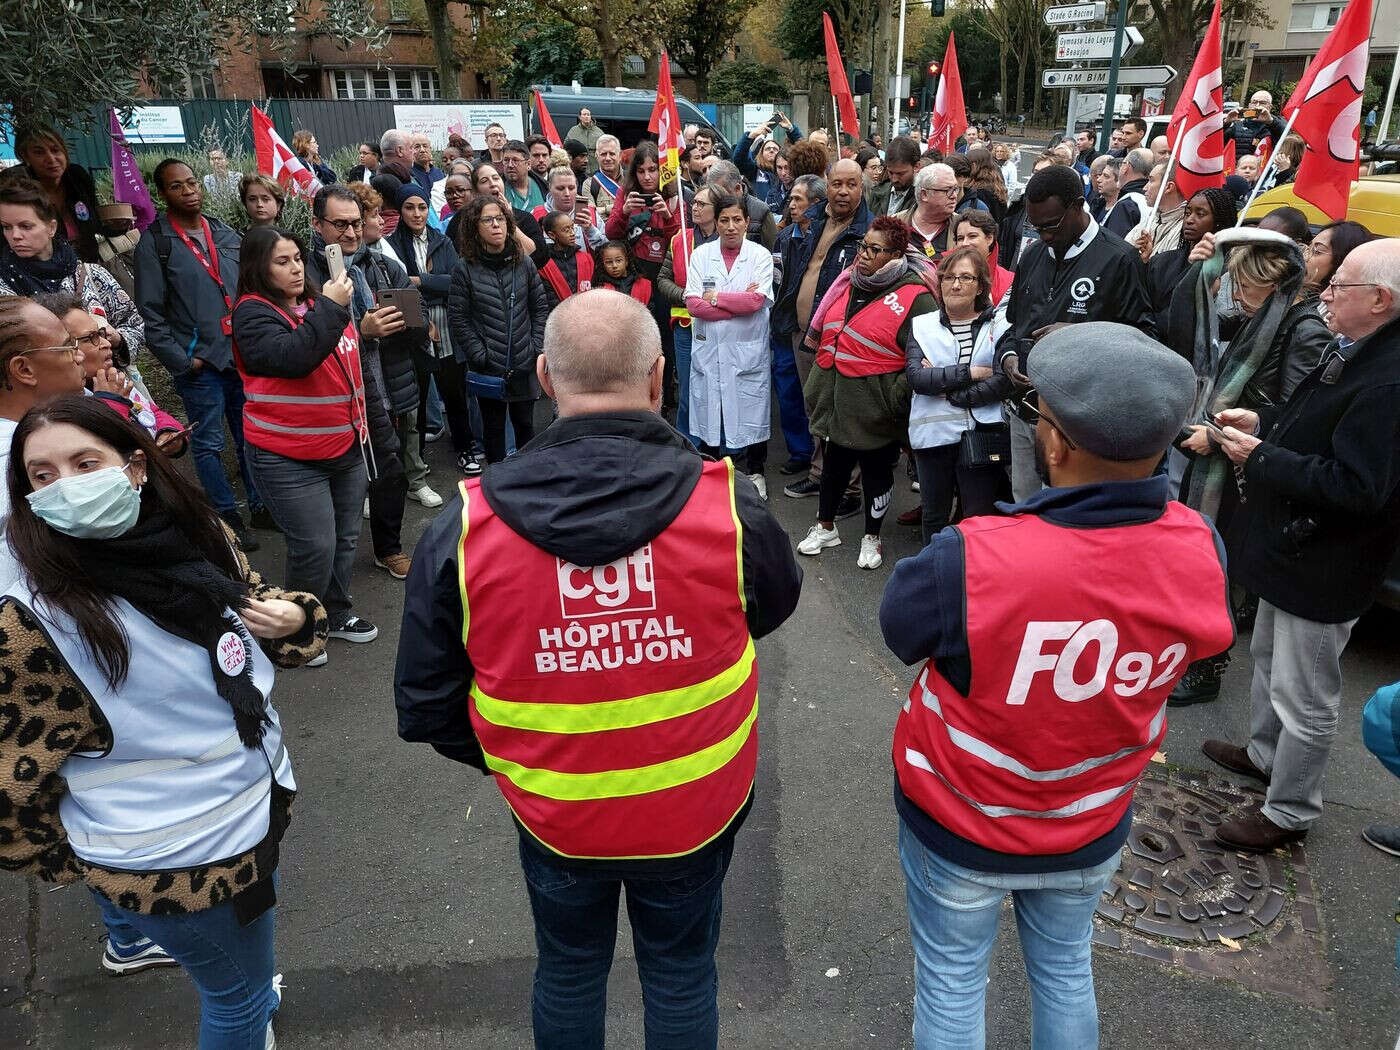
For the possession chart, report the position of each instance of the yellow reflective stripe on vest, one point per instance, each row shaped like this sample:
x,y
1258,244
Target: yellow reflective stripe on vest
x,y
738,536
619,783
462,561
603,715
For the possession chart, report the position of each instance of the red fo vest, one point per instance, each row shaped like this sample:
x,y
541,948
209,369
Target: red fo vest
x,y
315,417
616,704
680,259
867,344
641,289
1072,661
550,272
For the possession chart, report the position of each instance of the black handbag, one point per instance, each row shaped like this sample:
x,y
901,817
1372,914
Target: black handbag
x,y
985,446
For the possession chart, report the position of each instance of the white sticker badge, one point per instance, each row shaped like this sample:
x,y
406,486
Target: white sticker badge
x,y
233,657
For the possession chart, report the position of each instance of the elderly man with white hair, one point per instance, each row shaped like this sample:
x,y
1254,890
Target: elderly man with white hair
x,y
935,200
396,154
1132,201
1317,528
606,673
605,184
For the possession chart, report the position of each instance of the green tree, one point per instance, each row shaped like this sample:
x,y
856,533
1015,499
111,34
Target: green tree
x,y
1182,23
58,57
977,54
551,52
620,27
698,38
737,82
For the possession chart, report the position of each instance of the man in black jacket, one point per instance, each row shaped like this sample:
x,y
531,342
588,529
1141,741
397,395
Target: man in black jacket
x,y
1317,527
1077,271
598,495
1258,124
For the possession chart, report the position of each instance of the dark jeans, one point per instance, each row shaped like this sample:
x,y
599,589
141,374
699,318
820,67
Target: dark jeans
x,y
212,396
675,929
978,488
751,459
388,493
493,425
451,378
660,310
316,503
876,480
787,388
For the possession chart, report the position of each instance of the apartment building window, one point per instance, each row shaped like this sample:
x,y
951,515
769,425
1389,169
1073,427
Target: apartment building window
x,y
400,10
385,83
1313,18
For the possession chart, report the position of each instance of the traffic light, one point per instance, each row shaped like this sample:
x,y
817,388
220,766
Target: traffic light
x,y
933,69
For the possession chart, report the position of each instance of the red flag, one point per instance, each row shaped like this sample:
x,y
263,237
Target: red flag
x,y
670,140
949,113
275,158
840,88
547,128
1327,102
1199,119
1229,157
1262,149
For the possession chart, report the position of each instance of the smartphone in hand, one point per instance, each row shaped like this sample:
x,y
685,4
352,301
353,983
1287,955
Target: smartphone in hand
x,y
335,261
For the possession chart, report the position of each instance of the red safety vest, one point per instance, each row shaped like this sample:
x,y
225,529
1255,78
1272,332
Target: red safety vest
x,y
1072,661
680,260
550,272
615,704
317,416
867,344
640,291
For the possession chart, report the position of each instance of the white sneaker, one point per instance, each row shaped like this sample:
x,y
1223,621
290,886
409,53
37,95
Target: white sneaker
x,y
426,496
760,483
365,513
818,539
318,661
871,552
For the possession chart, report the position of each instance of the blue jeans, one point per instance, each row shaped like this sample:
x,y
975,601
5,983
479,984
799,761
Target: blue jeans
x,y
230,965
681,338
675,929
953,921
787,388
212,396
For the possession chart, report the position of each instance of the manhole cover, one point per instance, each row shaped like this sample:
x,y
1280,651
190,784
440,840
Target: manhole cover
x,y
1179,892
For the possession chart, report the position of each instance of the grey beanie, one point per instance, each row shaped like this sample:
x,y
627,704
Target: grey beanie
x,y
1116,392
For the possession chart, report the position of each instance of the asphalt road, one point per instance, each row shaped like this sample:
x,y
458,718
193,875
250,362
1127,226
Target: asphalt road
x,y
404,922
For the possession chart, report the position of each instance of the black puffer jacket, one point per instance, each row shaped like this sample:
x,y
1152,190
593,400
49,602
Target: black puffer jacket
x,y
496,312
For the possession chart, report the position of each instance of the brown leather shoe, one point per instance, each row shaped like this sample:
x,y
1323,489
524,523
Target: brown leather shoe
x,y
1234,758
911,517
1256,833
396,565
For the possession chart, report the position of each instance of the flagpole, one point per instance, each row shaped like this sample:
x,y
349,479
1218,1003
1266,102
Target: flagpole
x,y
1384,128
899,75
1162,186
1268,168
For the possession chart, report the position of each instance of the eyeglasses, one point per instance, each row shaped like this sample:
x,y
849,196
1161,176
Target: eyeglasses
x,y
1028,411
341,225
71,349
959,278
1334,284
866,248
1051,227
947,191
94,337
492,220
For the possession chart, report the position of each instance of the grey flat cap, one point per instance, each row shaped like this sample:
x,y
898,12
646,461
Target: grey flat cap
x,y
1116,392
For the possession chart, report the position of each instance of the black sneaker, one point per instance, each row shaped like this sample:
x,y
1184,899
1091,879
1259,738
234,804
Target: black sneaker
x,y
355,629
262,519
241,532
1385,837
848,507
801,489
468,464
795,466
1199,685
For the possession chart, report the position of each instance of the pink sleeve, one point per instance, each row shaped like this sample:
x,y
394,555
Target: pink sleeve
x,y
741,304
164,420
698,307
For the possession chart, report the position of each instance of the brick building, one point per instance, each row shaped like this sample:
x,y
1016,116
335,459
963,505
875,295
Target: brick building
x,y
405,69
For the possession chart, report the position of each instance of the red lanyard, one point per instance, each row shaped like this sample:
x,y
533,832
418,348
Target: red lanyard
x,y
209,262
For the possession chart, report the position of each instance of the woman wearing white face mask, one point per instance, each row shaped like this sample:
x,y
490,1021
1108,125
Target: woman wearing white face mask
x,y
159,776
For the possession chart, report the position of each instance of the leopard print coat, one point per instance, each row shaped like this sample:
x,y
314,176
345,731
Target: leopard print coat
x,y
46,713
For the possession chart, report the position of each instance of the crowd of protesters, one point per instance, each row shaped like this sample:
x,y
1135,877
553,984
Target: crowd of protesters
x,y
882,301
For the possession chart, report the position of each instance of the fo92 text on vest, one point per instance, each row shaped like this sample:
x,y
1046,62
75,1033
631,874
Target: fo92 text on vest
x,y
1088,662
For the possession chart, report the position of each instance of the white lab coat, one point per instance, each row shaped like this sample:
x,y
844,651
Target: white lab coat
x,y
730,360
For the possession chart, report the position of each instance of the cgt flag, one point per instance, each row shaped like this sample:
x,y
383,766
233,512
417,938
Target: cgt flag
x,y
666,124
547,128
840,87
949,112
1199,119
277,161
1326,112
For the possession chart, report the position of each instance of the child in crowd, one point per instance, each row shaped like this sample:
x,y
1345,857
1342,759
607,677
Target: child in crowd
x,y
619,272
568,270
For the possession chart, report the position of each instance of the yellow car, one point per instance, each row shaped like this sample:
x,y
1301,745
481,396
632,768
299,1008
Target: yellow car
x,y
1375,203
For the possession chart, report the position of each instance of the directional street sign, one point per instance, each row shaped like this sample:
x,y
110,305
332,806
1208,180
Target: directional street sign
x,y
1076,47
1076,14
1128,76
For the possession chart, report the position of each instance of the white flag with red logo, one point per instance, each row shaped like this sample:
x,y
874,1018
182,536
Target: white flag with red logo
x,y
277,161
1328,105
1199,119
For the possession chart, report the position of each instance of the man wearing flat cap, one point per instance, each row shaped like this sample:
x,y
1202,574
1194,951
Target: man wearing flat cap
x,y
1046,669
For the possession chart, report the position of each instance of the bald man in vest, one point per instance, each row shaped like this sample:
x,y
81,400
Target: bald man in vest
x,y
1051,638
579,623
